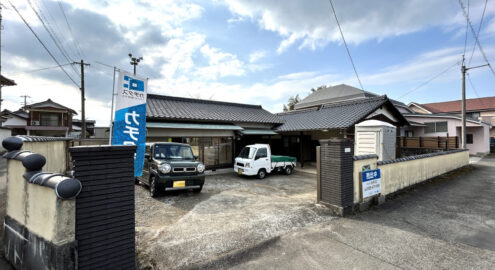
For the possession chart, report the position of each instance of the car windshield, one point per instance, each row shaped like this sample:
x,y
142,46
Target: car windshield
x,y
164,151
247,152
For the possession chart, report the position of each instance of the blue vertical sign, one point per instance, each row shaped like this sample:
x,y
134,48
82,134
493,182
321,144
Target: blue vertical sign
x,y
130,116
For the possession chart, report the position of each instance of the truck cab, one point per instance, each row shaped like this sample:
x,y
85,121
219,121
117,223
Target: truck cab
x,y
171,166
257,159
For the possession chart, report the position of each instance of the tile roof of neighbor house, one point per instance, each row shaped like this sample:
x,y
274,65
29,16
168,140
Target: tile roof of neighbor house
x,y
178,108
333,94
472,104
334,116
6,81
49,103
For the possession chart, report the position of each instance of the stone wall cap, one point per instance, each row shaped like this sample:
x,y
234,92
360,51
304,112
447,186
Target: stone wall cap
x,y
385,162
361,157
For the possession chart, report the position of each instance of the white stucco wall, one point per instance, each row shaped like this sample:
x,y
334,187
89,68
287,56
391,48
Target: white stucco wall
x,y
15,121
4,133
399,175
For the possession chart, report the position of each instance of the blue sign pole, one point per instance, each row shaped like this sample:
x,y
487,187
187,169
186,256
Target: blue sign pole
x,y
130,116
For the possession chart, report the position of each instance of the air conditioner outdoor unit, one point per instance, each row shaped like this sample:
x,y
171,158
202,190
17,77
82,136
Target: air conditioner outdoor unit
x,y
35,123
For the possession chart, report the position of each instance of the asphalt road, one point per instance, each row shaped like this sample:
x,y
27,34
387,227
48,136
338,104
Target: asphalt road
x,y
445,224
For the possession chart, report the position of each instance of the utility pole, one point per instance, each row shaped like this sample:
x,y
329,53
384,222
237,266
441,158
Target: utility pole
x,y
25,100
83,116
135,61
464,69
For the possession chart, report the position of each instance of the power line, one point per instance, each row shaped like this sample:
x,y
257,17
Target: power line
x,y
79,51
72,51
51,34
40,69
465,38
41,42
430,80
345,43
475,37
479,29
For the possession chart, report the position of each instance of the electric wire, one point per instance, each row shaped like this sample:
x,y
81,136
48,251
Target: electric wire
x,y
40,69
430,80
78,48
478,33
345,43
71,49
466,37
52,35
475,37
42,44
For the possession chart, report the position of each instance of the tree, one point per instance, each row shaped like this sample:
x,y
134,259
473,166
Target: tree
x,y
293,100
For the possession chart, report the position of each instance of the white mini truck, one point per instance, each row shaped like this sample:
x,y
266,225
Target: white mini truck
x,y
257,159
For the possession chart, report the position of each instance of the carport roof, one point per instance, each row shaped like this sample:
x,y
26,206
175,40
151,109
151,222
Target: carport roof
x,y
340,115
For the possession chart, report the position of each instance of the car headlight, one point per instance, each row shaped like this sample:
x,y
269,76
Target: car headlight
x,y
201,167
247,165
164,168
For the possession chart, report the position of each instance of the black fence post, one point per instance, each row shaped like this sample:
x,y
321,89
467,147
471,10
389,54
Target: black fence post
x,y
105,207
336,175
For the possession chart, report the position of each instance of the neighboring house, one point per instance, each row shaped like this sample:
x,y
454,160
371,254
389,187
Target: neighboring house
x,y
49,118
102,132
77,126
15,121
215,130
449,125
480,109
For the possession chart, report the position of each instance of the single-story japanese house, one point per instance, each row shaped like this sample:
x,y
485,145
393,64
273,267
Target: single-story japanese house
x,y
303,128
218,130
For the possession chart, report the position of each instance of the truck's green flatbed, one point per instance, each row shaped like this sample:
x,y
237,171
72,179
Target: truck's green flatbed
x,y
283,159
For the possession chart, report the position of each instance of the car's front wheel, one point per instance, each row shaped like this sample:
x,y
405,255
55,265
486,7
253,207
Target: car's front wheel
x,y
153,190
261,174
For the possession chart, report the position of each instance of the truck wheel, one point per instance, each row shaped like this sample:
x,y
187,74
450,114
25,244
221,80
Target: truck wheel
x,y
136,181
153,190
288,170
261,174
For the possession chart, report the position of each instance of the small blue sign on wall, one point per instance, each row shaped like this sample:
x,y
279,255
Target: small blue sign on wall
x,y
371,183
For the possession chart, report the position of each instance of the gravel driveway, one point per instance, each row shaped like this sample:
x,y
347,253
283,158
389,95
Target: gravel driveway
x,y
230,215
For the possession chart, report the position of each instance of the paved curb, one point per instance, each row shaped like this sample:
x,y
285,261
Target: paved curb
x,y
230,258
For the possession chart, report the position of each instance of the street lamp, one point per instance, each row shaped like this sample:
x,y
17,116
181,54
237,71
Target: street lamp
x,y
135,61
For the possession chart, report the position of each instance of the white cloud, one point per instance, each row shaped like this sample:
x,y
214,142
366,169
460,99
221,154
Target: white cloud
x,y
257,55
312,22
221,64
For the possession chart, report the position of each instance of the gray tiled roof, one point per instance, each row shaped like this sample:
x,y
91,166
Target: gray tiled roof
x,y
332,94
331,116
189,109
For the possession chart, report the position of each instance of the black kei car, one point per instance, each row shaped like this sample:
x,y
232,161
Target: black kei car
x,y
171,166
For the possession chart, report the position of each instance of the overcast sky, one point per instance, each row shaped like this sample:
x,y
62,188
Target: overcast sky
x,y
259,52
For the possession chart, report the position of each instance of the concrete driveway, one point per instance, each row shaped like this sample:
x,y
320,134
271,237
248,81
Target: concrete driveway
x,y
230,216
